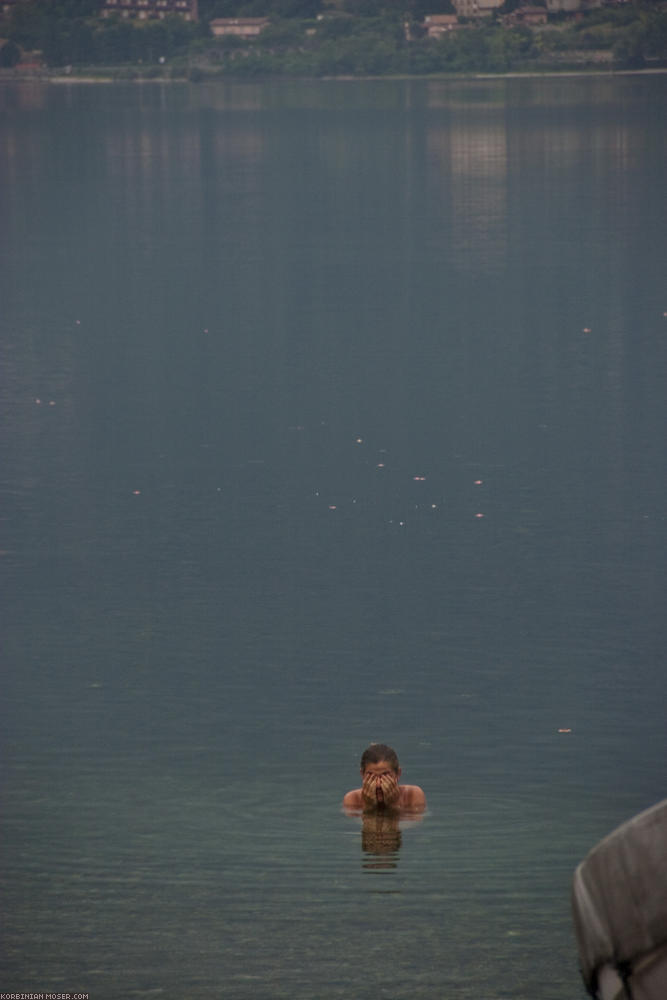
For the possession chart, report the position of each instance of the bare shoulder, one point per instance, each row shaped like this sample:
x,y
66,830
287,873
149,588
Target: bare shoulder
x,y
412,798
353,799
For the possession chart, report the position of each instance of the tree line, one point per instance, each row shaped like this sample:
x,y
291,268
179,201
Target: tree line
x,y
358,37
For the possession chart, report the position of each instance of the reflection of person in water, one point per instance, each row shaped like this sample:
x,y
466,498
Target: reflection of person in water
x,y
381,839
380,791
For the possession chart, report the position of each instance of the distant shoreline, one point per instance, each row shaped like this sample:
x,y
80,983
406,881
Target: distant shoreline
x,y
60,78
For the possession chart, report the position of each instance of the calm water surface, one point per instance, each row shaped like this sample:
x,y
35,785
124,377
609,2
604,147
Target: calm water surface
x,y
331,412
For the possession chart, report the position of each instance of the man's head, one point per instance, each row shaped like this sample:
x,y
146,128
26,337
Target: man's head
x,y
380,772
379,754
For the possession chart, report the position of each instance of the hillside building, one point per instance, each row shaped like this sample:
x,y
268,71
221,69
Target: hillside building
x,y
437,25
476,8
144,10
240,27
572,6
531,16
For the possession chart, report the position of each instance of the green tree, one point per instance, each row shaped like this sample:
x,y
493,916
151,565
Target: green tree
x,y
29,25
628,51
10,55
115,43
507,47
418,9
464,51
210,9
655,34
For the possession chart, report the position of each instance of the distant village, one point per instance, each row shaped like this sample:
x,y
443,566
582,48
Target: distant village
x,y
324,37
468,14
435,24
524,13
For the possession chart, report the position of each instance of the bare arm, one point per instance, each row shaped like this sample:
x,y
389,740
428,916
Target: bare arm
x,y
412,798
353,800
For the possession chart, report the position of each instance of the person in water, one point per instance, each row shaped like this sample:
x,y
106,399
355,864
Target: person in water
x,y
380,789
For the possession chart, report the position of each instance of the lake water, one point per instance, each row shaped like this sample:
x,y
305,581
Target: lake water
x,y
331,412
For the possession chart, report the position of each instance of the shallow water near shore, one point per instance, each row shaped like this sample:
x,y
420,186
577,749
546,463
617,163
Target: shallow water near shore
x,y
332,412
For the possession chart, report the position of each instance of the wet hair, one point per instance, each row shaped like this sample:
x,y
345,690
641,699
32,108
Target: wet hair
x,y
377,752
